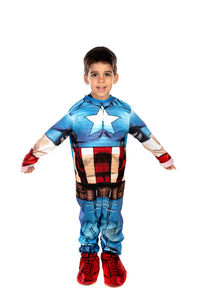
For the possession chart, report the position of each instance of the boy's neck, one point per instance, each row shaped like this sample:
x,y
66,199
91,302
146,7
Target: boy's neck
x,y
99,98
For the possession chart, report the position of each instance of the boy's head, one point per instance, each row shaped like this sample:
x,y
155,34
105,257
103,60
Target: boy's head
x,y
100,68
100,54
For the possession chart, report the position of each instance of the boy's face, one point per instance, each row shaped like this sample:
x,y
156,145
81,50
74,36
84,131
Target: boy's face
x,y
100,78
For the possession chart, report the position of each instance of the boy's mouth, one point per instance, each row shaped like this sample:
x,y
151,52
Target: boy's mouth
x,y
101,89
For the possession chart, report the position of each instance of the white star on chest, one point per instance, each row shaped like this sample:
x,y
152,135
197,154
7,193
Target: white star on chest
x,y
102,120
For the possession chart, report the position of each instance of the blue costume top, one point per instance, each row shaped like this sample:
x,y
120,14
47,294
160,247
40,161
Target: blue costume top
x,y
98,135
94,123
98,132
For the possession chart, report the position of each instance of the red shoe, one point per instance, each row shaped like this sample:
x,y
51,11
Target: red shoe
x,y
88,268
113,270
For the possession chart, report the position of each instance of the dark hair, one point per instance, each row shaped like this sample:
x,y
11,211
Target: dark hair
x,y
100,54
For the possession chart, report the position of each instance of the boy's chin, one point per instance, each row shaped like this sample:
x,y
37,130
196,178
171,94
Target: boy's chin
x,y
101,95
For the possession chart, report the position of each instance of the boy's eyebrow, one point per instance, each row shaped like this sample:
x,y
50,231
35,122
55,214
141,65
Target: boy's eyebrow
x,y
97,72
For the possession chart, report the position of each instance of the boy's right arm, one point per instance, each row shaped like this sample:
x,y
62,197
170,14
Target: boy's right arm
x,y
52,138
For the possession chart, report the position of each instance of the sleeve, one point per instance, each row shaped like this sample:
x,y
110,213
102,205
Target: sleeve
x,y
52,138
140,131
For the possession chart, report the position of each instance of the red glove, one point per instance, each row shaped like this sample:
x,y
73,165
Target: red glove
x,y
165,160
29,160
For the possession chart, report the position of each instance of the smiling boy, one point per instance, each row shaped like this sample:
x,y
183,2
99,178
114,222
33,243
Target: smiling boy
x,y
97,126
101,78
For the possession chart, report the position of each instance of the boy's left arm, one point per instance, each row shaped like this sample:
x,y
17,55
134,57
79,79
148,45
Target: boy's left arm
x,y
140,131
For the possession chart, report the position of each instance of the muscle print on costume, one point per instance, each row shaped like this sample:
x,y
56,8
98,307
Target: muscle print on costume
x,y
98,135
99,164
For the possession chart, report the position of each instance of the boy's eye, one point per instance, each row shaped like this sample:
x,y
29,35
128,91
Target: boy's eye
x,y
96,75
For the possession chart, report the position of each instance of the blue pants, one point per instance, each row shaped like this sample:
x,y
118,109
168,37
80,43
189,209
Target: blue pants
x,y
101,215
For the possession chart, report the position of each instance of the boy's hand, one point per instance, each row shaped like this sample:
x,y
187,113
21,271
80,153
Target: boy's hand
x,y
27,169
170,167
28,163
30,169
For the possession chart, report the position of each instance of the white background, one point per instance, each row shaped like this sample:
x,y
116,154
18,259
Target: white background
x,y
41,69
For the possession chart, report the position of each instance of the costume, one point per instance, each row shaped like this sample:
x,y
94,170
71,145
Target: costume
x,y
98,135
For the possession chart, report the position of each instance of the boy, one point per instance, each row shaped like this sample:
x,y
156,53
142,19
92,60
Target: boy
x,y
98,126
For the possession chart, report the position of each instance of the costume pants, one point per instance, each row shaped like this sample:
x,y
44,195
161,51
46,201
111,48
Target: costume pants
x,y
100,214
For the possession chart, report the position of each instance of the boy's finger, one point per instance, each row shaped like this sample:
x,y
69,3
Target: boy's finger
x,y
171,167
29,170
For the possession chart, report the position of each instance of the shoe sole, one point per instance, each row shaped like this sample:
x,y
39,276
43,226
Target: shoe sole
x,y
88,283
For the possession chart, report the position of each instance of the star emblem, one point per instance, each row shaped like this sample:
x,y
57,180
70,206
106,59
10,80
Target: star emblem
x,y
102,120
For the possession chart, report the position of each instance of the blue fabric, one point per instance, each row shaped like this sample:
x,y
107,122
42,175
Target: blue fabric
x,y
83,123
101,216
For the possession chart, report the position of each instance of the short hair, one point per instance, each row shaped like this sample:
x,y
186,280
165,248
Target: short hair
x,y
100,54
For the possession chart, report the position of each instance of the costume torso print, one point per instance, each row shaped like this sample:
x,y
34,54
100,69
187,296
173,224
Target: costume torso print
x,y
98,135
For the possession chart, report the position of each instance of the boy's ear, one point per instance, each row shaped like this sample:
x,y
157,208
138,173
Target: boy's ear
x,y
86,79
116,77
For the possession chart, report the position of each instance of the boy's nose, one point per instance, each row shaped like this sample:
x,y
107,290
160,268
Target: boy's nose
x,y
101,78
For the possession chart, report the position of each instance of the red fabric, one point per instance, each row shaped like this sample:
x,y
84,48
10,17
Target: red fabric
x,y
102,163
113,270
29,159
88,268
102,158
164,158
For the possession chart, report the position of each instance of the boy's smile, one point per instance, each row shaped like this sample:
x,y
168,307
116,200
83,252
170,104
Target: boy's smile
x,y
100,78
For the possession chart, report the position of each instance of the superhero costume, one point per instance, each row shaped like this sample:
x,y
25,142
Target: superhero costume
x,y
98,135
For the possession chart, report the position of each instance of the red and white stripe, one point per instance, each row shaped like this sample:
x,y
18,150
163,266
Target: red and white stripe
x,y
99,164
